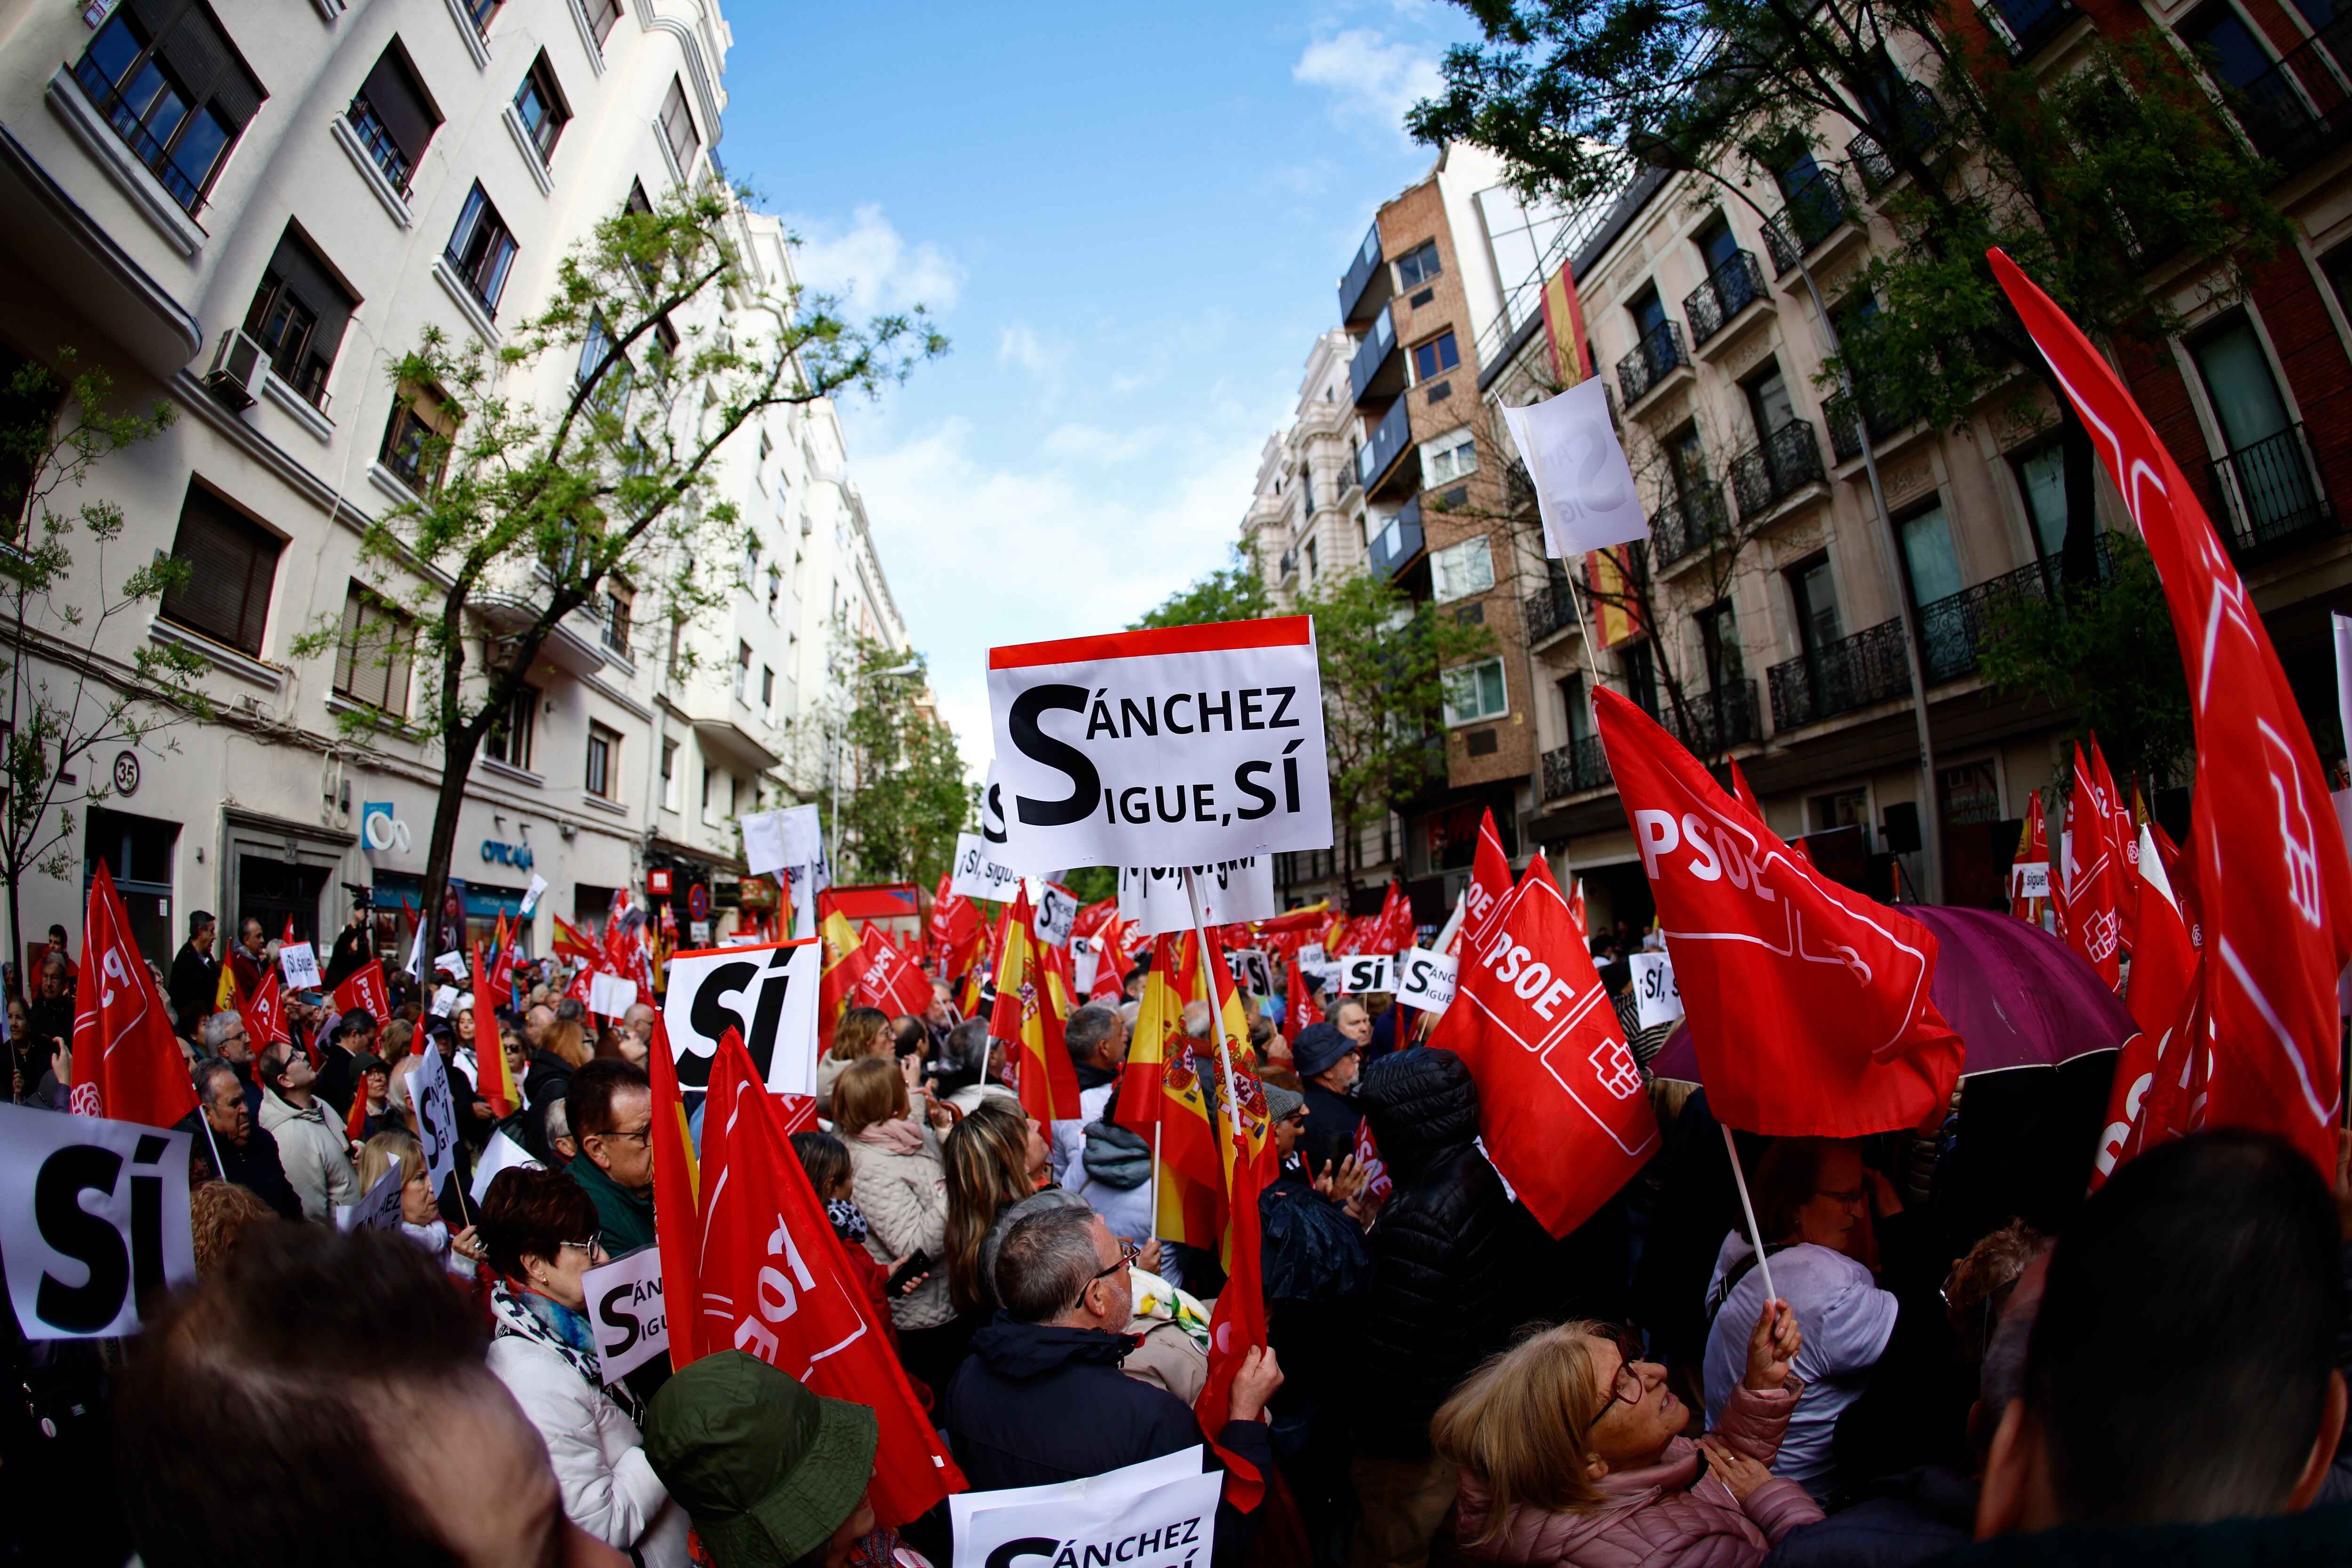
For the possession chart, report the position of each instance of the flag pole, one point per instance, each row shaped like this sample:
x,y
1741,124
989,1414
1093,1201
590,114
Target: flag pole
x,y
1209,983
1749,1208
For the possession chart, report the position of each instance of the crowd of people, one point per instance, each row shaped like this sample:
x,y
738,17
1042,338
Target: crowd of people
x,y
1957,1353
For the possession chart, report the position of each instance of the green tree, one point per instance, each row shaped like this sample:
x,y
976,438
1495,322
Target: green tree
x,y
67,703
577,455
1383,660
2105,650
1230,593
1092,884
903,795
2088,178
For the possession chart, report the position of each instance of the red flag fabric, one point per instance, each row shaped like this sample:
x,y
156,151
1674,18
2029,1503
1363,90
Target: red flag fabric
x,y
1161,1085
1095,917
1489,889
1742,794
2278,926
2160,1087
677,1187
2093,894
2165,962
1027,1020
2123,832
365,989
502,960
1237,1323
1395,930
126,1065
571,944
1808,1003
263,1013
2033,849
1110,963
893,981
491,1066
1561,1104
955,928
771,1281
1299,1009
843,961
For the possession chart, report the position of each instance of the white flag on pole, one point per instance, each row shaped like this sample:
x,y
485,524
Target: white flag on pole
x,y
1584,486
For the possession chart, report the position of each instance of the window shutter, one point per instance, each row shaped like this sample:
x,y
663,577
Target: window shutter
x,y
313,284
347,649
232,562
401,104
199,53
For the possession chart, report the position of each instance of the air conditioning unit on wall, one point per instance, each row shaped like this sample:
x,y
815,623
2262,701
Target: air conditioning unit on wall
x,y
239,365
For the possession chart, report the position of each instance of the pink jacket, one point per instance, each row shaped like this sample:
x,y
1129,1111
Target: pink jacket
x,y
1654,1518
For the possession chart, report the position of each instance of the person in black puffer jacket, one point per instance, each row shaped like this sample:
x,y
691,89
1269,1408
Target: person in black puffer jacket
x,y
1448,1253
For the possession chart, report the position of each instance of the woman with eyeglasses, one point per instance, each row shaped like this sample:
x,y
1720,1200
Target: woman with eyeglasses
x,y
1570,1451
539,1230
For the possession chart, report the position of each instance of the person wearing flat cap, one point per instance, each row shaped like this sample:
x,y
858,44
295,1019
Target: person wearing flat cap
x,y
770,1473
1327,1061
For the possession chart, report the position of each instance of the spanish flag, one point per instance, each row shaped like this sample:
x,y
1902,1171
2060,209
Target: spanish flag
x,y
1246,1148
843,961
224,994
1159,1087
498,1084
1028,995
677,1198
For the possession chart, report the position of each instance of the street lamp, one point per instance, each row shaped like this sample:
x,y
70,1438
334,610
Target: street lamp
x,y
911,666
1658,150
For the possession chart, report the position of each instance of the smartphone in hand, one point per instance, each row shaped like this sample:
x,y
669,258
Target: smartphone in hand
x,y
917,1264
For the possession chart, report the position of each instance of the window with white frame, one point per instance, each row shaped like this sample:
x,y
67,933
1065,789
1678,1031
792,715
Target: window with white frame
x,y
1449,457
1474,691
1461,569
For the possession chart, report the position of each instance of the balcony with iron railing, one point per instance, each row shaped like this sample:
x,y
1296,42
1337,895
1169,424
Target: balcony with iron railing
x,y
1709,723
2299,110
1550,608
1659,354
1392,437
1572,769
1816,209
1376,369
1367,285
2030,24
1731,288
186,188
1687,524
381,149
2271,493
1853,672
1288,568
1776,468
1845,429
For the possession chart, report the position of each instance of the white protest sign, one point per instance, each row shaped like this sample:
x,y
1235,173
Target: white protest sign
x,y
625,1302
801,831
610,996
2029,879
1057,911
530,894
1084,963
1584,486
93,1216
1360,971
1251,971
444,1000
1654,991
1311,957
501,1153
453,965
379,1209
767,994
299,963
763,843
1427,980
1161,748
803,883
1161,1513
976,874
1231,891
436,1119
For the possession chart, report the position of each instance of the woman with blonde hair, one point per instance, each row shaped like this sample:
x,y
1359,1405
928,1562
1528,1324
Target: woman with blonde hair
x,y
863,1032
899,1180
1570,1451
420,1215
988,1168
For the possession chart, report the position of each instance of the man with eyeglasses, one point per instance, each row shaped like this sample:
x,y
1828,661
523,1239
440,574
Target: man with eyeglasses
x,y
1041,1397
610,1108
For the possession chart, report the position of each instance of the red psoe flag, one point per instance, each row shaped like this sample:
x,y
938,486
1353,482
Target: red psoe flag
x,y
677,1194
2164,965
2278,925
365,989
265,1013
1741,793
2094,892
1561,1105
1299,1009
772,1282
893,981
126,1065
1489,889
1808,1003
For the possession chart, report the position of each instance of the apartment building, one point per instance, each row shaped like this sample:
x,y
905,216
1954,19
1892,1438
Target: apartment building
x,y
1787,648
1388,468
249,211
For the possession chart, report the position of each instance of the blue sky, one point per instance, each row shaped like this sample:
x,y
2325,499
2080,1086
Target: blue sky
x,y
1129,219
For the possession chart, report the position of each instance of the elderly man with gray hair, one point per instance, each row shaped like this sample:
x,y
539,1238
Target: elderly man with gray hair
x,y
1041,1397
226,1039
228,1143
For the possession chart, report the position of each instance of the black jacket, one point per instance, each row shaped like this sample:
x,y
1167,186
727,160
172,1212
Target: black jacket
x,y
1331,1123
1035,1403
349,956
255,1167
1451,1252
196,981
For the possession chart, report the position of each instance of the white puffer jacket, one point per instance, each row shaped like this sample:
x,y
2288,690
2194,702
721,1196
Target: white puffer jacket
x,y
904,1199
609,1487
317,1156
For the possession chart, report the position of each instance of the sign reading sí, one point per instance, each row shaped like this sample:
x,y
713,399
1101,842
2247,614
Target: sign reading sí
x,y
1161,748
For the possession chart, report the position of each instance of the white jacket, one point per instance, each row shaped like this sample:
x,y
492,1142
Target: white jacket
x,y
316,1155
609,1487
904,1198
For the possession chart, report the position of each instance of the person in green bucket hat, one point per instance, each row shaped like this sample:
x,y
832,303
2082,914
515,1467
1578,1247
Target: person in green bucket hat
x,y
769,1472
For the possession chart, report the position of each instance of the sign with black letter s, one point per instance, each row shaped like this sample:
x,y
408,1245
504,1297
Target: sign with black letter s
x,y
93,1219
767,994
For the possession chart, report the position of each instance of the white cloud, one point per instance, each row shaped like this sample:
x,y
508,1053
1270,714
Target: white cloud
x,y
1372,79
1044,358
869,263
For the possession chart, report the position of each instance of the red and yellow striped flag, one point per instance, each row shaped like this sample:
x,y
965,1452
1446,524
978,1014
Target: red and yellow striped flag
x,y
1026,1018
